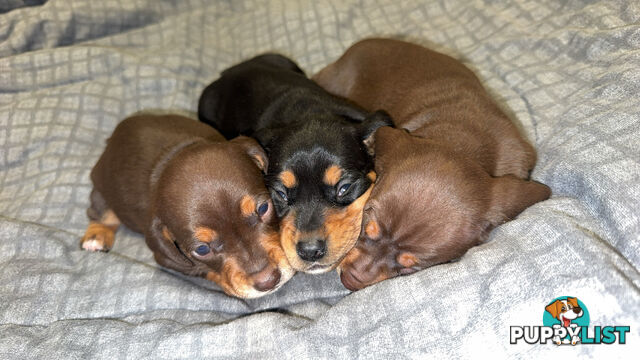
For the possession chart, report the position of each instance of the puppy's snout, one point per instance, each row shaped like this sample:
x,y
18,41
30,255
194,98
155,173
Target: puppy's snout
x,y
361,273
312,249
266,279
350,281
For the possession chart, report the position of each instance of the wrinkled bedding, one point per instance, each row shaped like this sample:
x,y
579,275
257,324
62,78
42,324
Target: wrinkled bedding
x,y
567,72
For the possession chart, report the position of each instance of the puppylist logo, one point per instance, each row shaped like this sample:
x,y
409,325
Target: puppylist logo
x,y
566,321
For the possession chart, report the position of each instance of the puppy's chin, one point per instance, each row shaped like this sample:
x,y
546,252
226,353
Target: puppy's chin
x,y
319,269
310,268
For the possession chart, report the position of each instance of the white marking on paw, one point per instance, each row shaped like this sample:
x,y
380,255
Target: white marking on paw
x,y
92,245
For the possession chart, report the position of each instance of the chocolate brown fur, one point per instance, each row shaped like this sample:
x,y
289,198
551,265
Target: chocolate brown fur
x,y
442,187
184,186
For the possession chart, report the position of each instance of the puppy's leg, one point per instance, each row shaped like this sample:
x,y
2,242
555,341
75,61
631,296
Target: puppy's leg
x,y
103,224
575,338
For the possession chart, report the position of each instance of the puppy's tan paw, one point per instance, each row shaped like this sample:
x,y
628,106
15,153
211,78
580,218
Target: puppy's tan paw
x,y
98,237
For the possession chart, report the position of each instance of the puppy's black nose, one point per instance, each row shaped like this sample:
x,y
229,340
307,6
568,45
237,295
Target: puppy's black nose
x,y
312,249
577,310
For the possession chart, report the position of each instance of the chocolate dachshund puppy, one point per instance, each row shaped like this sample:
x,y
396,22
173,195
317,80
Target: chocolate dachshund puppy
x,y
199,199
457,169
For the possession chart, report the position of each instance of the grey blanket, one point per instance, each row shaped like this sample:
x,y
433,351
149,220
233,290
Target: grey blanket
x,y
568,72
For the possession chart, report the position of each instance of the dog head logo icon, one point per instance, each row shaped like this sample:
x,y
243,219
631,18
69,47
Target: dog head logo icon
x,y
567,312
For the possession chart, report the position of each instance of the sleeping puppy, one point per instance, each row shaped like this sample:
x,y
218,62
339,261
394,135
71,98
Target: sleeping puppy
x,y
458,168
320,173
199,200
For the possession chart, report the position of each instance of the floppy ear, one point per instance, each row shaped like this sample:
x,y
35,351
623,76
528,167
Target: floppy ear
x,y
348,111
511,195
573,302
553,309
279,61
266,137
417,121
384,141
369,125
254,150
208,104
165,250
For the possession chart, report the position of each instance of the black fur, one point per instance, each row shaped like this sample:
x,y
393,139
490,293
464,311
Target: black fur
x,y
302,128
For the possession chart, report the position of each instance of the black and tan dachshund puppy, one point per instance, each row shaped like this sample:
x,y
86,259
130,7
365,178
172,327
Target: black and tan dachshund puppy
x,y
320,172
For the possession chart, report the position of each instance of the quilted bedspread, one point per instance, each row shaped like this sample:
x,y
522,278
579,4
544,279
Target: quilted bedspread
x,y
567,72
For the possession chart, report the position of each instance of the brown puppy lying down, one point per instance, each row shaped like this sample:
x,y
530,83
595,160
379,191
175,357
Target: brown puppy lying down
x,y
199,199
461,171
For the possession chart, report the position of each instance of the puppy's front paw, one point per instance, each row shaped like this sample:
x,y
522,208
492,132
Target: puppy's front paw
x,y
98,237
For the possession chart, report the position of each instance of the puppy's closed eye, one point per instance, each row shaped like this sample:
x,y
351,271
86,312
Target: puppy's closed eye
x,y
282,195
407,271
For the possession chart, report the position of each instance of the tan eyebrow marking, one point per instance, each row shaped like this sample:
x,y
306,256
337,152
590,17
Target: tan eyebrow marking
x,y
332,175
247,206
205,234
288,178
372,230
372,176
407,259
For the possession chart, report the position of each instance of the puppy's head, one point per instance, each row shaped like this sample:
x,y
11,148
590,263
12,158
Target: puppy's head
x,y
565,310
428,207
212,216
320,177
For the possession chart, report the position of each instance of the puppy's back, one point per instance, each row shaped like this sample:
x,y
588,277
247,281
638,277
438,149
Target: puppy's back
x,y
235,102
433,96
123,172
390,72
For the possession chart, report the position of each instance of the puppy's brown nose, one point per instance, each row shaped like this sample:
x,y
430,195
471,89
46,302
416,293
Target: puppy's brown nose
x,y
350,282
577,310
266,279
